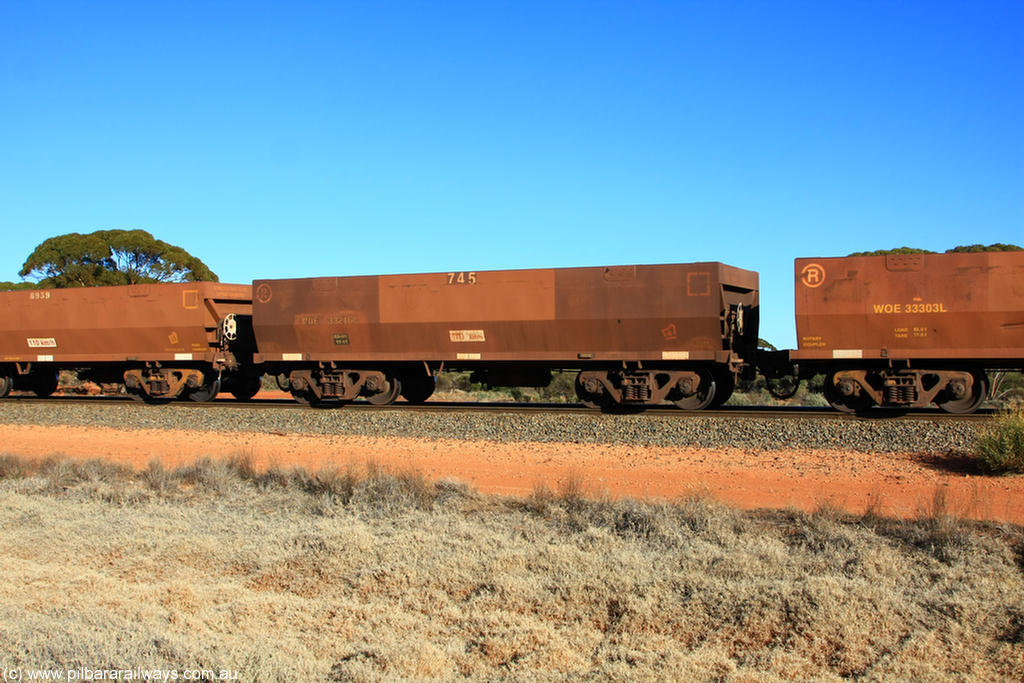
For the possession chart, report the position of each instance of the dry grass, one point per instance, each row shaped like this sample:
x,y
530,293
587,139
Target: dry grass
x,y
360,574
1000,447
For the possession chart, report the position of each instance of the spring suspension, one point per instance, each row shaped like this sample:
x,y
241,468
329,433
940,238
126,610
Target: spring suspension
x,y
635,389
158,386
900,393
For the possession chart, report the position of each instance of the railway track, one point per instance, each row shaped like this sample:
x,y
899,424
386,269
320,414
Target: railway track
x,y
738,412
755,428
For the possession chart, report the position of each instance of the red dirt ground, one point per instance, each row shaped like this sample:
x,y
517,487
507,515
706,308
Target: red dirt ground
x,y
891,484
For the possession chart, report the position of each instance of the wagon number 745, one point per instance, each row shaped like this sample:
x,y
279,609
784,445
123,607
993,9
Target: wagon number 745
x,y
462,278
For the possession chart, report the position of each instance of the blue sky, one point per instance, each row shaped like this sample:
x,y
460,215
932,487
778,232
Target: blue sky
x,y
293,139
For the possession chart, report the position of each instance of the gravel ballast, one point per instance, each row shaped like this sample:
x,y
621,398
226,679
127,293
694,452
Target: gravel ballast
x,y
769,433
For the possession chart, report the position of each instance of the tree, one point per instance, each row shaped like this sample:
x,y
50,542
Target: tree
x,y
111,257
11,286
973,248
897,250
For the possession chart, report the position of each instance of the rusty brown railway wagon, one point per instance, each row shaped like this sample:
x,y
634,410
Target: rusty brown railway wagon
x,y
161,340
637,334
909,330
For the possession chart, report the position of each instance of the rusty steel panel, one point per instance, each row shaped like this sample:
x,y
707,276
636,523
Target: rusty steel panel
x,y
661,312
471,297
939,306
172,321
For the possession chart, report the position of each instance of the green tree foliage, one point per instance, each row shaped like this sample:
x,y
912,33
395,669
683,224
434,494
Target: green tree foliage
x,y
897,250
10,286
973,248
981,247
111,257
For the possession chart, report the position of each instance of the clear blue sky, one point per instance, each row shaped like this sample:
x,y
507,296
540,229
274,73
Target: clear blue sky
x,y
292,139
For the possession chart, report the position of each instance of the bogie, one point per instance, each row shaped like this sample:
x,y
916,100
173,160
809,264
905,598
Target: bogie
x,y
855,390
689,389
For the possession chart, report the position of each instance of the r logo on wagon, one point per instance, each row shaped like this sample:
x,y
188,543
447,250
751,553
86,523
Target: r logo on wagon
x,y
812,275
264,293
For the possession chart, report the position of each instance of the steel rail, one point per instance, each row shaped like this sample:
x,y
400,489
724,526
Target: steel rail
x,y
738,412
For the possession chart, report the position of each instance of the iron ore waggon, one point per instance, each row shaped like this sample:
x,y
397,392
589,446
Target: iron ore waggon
x,y
637,335
909,330
893,331
162,341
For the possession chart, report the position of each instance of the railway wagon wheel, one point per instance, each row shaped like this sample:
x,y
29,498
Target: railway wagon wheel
x,y
45,384
389,392
591,394
207,392
705,396
852,400
5,385
304,396
244,387
969,402
725,384
417,387
783,388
